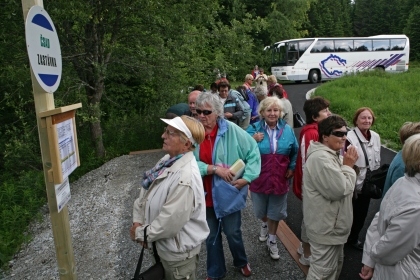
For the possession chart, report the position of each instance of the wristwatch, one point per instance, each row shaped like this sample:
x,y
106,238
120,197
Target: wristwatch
x,y
214,169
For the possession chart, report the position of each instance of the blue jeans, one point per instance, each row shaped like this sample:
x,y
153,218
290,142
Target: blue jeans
x,y
231,226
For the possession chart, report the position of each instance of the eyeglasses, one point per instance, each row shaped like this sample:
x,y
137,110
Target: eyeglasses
x,y
169,132
339,133
204,112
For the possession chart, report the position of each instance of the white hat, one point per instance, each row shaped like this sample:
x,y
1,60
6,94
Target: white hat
x,y
179,124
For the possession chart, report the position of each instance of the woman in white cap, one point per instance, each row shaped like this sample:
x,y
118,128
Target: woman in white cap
x,y
171,202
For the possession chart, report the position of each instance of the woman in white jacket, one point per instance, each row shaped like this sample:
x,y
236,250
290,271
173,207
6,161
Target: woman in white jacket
x,y
392,246
363,120
171,201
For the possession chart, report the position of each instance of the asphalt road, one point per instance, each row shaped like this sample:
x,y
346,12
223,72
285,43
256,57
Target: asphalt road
x,y
353,257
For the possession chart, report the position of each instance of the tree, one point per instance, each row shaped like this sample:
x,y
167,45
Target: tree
x,y
412,30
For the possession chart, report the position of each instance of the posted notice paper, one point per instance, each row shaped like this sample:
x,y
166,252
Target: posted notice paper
x,y
67,147
62,194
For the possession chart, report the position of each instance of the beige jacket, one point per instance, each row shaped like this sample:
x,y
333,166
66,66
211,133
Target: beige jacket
x,y
373,151
327,194
174,207
392,245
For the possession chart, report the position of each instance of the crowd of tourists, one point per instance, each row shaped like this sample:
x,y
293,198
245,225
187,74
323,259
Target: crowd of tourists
x,y
228,143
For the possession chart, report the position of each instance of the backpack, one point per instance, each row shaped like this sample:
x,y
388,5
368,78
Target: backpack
x,y
244,104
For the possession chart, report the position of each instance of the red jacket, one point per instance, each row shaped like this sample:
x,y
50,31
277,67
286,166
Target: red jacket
x,y
309,132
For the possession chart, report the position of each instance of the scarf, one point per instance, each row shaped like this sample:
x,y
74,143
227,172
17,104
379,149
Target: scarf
x,y
151,175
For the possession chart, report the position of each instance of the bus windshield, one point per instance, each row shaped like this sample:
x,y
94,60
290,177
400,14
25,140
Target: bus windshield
x,y
279,55
286,54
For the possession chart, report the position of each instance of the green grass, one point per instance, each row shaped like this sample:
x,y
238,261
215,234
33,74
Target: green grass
x,y
394,99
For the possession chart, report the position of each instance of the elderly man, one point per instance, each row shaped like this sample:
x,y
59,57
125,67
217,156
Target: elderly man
x,y
191,103
233,110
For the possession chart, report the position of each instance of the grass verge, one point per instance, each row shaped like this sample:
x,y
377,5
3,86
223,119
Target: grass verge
x,y
394,99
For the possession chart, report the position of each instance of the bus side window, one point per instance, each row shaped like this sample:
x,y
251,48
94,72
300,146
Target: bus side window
x,y
380,45
343,45
362,45
398,44
323,46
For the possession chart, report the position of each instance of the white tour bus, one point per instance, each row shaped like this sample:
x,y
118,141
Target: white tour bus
x,y
317,59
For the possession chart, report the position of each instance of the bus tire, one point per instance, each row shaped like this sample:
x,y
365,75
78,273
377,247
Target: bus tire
x,y
313,76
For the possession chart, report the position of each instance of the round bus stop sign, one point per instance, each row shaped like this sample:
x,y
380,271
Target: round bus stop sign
x,y
43,48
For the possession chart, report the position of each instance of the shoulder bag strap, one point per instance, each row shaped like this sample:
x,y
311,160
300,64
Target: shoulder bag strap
x,y
137,273
364,151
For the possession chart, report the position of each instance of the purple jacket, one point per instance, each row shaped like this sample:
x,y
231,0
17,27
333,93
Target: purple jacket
x,y
272,178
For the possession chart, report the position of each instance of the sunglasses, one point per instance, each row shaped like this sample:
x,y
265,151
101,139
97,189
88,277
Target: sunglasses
x,y
339,133
204,112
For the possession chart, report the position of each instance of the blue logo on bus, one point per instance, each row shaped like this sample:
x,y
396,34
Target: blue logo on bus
x,y
336,60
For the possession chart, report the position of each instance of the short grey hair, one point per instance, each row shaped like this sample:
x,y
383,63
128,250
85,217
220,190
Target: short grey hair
x,y
212,100
268,102
411,155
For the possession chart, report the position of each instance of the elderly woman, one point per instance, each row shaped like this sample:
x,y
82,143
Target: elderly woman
x,y
271,83
363,120
278,148
223,145
328,184
172,203
397,168
392,247
316,109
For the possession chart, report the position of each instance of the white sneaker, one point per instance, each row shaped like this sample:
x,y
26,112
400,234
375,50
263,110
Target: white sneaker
x,y
300,249
274,251
305,261
263,233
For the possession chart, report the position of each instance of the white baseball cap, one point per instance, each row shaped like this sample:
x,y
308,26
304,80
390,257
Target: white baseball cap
x,y
179,124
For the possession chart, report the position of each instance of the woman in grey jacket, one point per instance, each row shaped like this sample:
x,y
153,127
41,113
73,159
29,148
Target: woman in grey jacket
x,y
171,201
392,246
328,184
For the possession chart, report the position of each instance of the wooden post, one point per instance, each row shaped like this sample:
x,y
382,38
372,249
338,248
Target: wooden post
x,y
44,101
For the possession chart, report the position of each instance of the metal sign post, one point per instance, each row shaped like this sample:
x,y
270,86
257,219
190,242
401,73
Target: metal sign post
x,y
44,101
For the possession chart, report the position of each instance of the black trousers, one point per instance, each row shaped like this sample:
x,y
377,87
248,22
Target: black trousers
x,y
360,210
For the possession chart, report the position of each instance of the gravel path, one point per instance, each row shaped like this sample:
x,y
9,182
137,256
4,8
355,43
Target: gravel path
x,y
100,213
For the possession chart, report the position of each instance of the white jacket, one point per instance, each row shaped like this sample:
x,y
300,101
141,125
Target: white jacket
x,y
392,245
373,151
174,207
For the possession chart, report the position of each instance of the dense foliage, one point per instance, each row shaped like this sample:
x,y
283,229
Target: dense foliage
x,y
127,62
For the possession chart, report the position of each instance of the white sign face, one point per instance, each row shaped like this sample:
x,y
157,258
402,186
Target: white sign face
x,y
66,146
62,194
43,48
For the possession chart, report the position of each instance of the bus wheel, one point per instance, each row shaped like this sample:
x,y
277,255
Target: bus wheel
x,y
313,76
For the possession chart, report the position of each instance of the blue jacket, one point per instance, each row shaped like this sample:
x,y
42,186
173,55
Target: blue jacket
x,y
286,144
396,170
253,104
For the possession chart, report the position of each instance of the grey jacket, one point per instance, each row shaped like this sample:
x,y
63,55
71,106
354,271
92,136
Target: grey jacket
x,y
327,194
174,207
392,245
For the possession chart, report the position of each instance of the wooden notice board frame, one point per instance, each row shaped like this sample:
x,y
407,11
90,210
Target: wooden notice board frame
x,y
52,119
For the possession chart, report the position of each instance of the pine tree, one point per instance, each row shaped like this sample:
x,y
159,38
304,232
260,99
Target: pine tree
x,y
412,30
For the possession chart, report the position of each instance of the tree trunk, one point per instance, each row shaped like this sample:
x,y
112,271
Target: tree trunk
x,y
94,100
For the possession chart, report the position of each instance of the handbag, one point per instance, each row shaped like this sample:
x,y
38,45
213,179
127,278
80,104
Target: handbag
x,y
156,271
298,121
374,182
